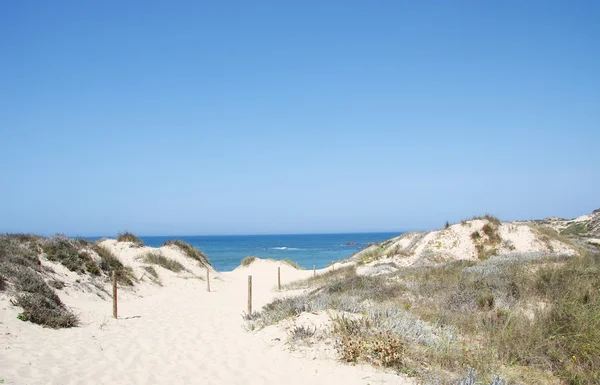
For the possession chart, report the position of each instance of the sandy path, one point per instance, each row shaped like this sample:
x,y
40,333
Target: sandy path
x,y
178,334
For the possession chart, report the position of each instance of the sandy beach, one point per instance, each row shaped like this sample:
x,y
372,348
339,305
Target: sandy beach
x,y
178,333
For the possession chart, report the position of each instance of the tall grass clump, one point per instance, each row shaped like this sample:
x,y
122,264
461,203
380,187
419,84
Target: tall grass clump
x,y
109,263
248,261
164,262
126,236
190,251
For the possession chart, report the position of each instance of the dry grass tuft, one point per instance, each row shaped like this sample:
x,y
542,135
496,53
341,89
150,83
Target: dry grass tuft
x,y
190,251
162,261
126,236
248,261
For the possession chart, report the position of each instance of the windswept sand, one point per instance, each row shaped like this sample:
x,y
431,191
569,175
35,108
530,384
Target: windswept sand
x,y
178,333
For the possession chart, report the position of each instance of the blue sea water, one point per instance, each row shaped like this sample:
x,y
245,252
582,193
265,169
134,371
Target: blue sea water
x,y
226,252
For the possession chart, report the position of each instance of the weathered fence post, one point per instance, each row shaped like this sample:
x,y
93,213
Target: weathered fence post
x,y
314,271
279,278
208,279
114,278
249,295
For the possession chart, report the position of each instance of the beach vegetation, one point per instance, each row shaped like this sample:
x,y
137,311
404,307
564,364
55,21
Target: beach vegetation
x,y
248,261
109,263
190,251
20,266
68,252
301,333
153,274
529,318
293,264
162,261
126,236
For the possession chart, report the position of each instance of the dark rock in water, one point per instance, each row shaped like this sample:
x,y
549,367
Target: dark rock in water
x,y
351,243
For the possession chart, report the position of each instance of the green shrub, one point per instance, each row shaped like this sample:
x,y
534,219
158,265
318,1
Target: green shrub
x,y
129,237
190,251
164,262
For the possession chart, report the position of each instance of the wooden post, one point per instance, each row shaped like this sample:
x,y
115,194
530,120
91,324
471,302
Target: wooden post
x,y
332,265
279,278
114,277
314,271
208,279
249,295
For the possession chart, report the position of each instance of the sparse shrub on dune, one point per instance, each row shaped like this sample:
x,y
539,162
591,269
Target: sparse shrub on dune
x,y
126,236
40,303
302,333
162,261
190,251
153,274
248,261
109,263
68,253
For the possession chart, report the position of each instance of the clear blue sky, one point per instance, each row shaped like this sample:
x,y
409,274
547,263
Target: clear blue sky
x,y
295,116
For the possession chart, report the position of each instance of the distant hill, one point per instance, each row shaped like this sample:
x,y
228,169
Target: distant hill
x,y
586,226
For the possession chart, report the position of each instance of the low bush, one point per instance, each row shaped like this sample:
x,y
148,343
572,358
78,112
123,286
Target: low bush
x,y
301,333
40,303
68,253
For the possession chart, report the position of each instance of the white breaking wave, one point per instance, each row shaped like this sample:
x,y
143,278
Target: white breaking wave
x,y
284,248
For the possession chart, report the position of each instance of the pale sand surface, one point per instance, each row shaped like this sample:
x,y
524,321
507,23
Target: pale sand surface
x,y
176,334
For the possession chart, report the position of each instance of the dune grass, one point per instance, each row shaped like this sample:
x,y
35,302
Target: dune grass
x,y
248,261
293,264
21,267
190,251
446,322
162,261
126,236
109,263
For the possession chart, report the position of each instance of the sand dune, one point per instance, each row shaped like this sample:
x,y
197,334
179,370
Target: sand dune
x,y
178,333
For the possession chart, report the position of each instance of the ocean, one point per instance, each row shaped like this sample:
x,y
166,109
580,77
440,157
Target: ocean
x,y
226,252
